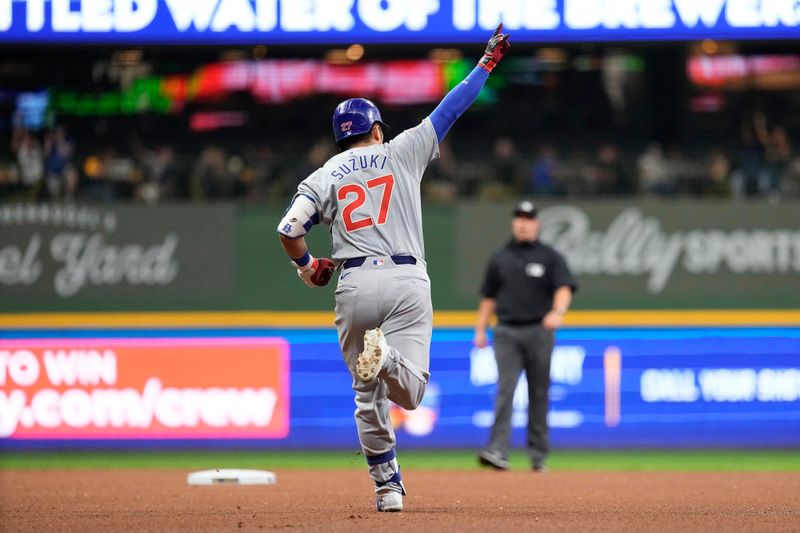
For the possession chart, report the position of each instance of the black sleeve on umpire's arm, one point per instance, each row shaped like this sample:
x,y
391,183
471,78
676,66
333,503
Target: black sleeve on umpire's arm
x,y
561,274
491,280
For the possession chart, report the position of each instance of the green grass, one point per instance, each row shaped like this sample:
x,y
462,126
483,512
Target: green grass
x,y
561,460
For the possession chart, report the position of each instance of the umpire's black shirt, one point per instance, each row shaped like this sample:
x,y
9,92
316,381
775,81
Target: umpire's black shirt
x,y
522,277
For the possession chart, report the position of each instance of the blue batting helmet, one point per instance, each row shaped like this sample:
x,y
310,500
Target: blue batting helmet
x,y
355,116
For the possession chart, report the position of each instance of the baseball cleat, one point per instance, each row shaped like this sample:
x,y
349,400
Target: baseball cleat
x,y
389,494
371,360
492,459
389,501
540,467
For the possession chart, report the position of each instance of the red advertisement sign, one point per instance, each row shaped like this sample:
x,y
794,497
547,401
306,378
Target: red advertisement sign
x,y
144,388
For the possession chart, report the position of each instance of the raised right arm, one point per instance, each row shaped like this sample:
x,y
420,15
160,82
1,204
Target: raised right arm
x,y
462,95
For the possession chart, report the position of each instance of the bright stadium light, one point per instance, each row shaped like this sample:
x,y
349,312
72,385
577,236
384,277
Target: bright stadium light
x,y
355,52
709,47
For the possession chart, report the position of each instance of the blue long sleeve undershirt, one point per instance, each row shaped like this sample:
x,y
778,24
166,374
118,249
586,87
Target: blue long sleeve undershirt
x,y
457,101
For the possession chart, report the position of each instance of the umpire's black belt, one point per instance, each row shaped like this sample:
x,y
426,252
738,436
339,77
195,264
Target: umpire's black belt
x,y
398,260
520,323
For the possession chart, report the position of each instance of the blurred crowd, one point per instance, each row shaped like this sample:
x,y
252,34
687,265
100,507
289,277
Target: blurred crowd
x,y
51,165
579,121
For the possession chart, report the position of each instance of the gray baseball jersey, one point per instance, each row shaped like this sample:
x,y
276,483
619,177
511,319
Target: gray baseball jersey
x,y
370,196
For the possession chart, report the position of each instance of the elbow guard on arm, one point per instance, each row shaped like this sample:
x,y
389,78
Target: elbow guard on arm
x,y
299,218
296,222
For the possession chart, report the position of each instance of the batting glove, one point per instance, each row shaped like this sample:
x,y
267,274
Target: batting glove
x,y
495,50
317,273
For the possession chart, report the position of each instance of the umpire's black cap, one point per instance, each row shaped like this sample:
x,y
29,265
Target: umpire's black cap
x,y
526,209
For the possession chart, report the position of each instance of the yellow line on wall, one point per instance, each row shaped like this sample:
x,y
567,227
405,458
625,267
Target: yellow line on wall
x,y
324,319
199,319
739,317
637,318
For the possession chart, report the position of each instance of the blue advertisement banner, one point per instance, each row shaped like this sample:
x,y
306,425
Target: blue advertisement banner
x,y
611,388
390,21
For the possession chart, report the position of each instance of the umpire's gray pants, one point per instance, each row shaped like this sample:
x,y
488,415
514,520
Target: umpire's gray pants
x,y
396,298
517,349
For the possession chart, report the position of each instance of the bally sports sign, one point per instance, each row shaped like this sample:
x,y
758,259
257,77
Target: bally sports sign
x,y
144,388
638,253
634,244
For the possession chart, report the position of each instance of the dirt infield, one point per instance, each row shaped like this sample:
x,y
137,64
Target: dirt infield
x,y
160,500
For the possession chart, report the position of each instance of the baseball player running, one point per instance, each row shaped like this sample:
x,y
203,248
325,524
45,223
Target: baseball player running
x,y
369,195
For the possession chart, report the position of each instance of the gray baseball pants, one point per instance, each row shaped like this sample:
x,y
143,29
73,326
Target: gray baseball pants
x,y
517,349
396,298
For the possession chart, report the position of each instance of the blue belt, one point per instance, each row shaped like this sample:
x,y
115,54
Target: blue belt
x,y
398,260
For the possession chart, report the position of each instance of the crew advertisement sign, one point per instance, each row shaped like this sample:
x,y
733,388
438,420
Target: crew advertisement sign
x,y
610,388
198,388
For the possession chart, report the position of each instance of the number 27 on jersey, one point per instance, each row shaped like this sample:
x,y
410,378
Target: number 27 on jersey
x,y
353,195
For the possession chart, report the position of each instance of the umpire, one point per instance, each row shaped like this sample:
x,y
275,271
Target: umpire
x,y
529,286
